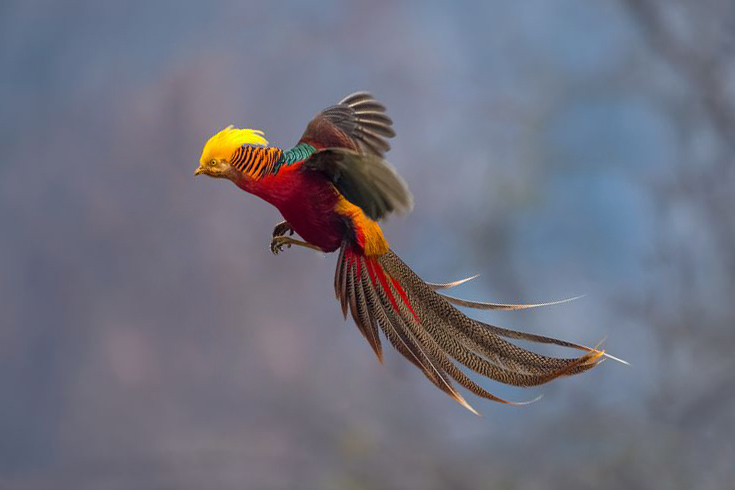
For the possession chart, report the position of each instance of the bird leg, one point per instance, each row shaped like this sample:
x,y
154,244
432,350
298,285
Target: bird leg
x,y
282,228
278,242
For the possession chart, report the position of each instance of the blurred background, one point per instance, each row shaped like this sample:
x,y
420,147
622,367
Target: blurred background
x,y
149,339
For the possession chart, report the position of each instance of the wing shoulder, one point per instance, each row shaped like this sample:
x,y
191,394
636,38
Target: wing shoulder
x,y
365,180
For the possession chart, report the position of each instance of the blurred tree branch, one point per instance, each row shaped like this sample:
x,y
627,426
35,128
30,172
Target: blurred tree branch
x,y
704,66
703,70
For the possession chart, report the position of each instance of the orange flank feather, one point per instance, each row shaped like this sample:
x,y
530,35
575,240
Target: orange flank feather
x,y
367,232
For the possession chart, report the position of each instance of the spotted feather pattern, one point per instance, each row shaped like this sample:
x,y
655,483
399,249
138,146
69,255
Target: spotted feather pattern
x,y
383,294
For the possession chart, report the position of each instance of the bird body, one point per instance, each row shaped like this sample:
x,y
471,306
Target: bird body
x,y
316,222
332,188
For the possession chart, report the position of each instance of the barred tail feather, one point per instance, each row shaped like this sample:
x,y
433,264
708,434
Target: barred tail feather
x,y
382,293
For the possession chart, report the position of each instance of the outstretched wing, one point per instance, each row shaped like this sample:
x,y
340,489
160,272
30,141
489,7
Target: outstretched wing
x,y
358,123
366,181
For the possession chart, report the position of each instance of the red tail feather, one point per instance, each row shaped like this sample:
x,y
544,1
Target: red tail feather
x,y
382,293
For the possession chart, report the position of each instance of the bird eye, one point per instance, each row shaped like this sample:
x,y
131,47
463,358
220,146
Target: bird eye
x,y
212,163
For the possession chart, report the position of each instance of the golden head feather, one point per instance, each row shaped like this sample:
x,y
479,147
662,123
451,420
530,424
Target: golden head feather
x,y
223,145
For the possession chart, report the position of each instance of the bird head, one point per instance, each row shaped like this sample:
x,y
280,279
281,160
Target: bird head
x,y
216,159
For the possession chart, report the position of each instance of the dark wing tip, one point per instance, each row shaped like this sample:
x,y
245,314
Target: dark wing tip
x,y
356,97
368,124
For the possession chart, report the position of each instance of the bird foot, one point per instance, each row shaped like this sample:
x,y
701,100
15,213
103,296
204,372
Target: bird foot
x,y
278,242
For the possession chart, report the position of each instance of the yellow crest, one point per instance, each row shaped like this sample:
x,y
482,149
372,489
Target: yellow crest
x,y
223,145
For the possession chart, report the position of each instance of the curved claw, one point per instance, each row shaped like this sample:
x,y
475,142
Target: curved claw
x,y
278,242
281,229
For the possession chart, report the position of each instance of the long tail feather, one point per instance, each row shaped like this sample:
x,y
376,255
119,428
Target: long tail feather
x,y
482,305
382,293
448,285
405,341
359,308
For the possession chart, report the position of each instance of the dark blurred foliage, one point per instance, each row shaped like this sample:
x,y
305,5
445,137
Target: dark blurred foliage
x,y
150,340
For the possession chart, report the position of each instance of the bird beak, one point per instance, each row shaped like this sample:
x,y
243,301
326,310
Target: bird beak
x,y
198,171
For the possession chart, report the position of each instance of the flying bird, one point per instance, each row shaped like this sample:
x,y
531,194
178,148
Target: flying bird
x,y
333,188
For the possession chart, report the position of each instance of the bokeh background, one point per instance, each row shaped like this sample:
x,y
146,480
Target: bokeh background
x,y
149,339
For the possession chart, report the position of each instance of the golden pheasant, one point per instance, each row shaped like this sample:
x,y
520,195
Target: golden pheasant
x,y
332,188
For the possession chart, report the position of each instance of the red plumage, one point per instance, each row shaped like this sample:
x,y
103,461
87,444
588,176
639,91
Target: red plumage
x,y
306,200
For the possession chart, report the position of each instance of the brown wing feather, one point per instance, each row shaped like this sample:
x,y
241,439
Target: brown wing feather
x,y
358,123
366,181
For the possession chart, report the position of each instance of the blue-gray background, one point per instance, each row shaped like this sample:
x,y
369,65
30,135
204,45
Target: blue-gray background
x,y
148,339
